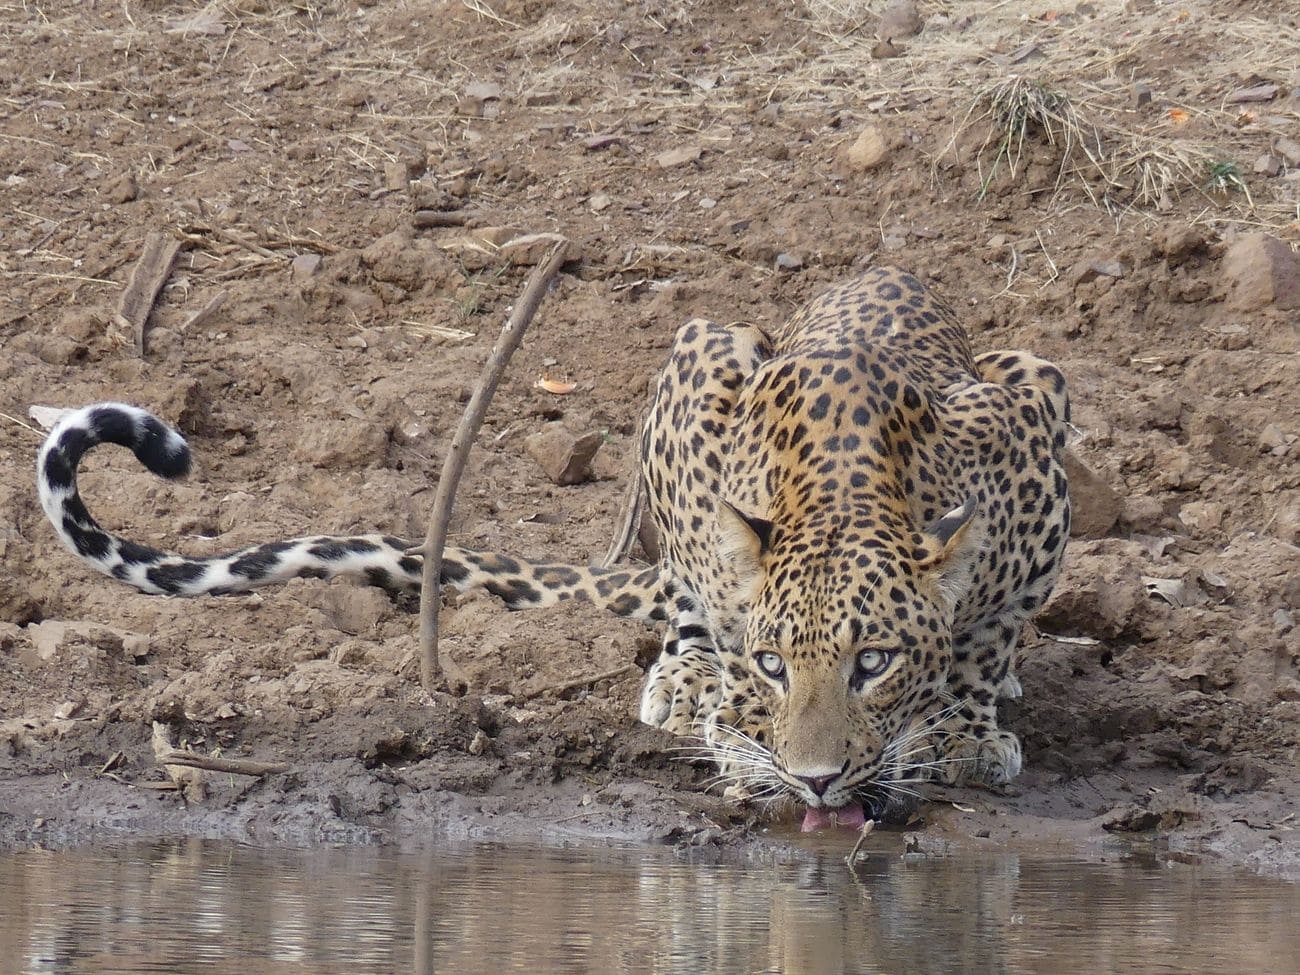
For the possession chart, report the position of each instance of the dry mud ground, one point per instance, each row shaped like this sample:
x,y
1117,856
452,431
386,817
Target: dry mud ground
x,y
700,155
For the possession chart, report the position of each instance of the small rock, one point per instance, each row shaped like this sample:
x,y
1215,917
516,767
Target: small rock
x,y
1201,516
678,157
1084,273
1178,242
599,202
304,266
865,152
531,249
602,141
396,176
1130,819
124,189
1098,594
69,709
1095,505
1261,271
482,91
789,262
1283,622
899,19
1268,165
1289,148
1141,95
1272,437
1257,93
565,459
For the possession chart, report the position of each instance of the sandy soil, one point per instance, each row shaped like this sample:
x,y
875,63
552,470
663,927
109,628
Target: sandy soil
x,y
725,160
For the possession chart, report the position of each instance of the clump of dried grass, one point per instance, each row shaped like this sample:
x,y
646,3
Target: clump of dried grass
x,y
1017,110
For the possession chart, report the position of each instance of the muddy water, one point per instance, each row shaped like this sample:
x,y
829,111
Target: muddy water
x,y
193,906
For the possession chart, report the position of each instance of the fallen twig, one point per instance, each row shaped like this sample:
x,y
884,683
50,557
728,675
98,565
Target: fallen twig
x,y
147,279
211,763
440,218
863,833
206,312
628,523
432,666
568,685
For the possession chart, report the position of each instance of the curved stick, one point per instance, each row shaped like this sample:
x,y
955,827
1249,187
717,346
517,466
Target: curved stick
x,y
432,665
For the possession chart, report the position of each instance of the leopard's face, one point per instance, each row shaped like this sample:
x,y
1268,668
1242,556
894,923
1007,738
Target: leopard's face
x,y
848,644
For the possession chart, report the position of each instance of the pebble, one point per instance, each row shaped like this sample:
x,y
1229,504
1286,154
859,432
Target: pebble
x,y
867,151
304,266
1261,271
1268,165
899,19
1272,437
1289,148
531,249
1202,516
124,189
789,262
680,156
564,458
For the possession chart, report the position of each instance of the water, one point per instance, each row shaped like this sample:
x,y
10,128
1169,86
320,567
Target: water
x,y
191,906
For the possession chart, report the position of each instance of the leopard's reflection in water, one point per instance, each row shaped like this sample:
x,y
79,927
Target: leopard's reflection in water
x,y
225,908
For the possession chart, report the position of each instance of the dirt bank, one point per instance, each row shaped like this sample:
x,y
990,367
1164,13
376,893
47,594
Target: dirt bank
x,y
707,159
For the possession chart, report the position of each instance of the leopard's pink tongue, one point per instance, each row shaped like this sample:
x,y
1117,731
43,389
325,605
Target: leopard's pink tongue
x,y
846,817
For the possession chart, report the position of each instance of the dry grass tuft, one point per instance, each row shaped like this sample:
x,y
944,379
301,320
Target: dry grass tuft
x,y
1018,109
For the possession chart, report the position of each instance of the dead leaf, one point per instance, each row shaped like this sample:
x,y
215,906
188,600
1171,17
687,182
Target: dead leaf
x,y
558,387
1175,592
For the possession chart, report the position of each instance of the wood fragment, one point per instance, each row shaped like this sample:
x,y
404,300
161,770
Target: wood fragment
x,y
213,763
863,833
440,218
147,279
629,521
192,782
583,681
206,312
432,665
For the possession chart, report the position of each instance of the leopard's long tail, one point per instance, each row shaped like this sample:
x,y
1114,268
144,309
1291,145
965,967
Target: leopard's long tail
x,y
380,560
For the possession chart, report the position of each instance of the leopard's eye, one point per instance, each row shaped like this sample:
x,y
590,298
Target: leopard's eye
x,y
771,664
873,663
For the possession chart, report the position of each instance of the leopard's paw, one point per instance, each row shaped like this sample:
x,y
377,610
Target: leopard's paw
x,y
993,758
680,692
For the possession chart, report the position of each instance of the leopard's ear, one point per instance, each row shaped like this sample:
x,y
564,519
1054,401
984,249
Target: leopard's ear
x,y
743,540
949,549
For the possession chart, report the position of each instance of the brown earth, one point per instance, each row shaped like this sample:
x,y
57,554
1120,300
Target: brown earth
x,y
725,160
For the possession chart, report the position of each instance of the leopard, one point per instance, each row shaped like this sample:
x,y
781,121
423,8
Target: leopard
x,y
856,513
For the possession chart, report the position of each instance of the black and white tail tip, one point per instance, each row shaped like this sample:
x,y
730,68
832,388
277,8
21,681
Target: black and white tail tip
x,y
159,448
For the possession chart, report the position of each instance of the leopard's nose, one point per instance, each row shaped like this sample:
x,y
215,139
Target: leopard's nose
x,y
818,783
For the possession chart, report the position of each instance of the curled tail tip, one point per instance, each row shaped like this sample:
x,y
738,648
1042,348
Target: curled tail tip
x,y
157,446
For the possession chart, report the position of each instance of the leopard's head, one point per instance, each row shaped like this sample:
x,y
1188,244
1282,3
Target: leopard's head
x,y
848,641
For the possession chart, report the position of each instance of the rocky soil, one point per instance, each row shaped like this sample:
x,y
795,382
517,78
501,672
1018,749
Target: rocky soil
x,y
725,160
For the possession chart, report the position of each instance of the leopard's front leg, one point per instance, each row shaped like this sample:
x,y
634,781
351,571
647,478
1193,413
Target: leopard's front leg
x,y
969,744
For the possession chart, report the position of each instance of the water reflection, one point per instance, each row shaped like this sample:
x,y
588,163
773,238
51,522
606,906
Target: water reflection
x,y
192,906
